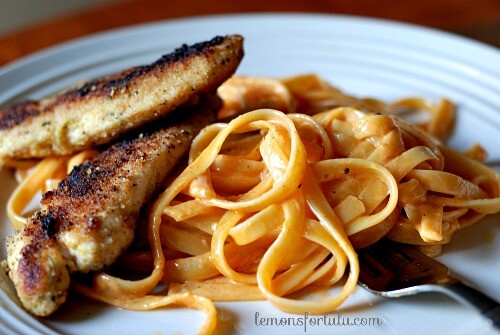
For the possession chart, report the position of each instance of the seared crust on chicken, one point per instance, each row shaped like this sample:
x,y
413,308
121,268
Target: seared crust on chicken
x,y
99,111
89,220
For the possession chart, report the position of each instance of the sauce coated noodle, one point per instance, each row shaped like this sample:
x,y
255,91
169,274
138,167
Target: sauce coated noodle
x,y
271,204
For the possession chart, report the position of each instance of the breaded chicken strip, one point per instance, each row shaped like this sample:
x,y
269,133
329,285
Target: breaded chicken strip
x,y
89,220
100,111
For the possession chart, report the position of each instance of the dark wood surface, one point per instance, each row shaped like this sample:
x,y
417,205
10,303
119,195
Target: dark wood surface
x,y
478,19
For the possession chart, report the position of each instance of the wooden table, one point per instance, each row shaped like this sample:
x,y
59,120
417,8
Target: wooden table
x,y
479,19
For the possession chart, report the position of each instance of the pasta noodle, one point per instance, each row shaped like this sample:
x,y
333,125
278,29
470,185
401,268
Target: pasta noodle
x,y
277,199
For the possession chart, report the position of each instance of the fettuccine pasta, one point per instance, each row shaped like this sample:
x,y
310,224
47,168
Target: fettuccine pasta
x,y
276,199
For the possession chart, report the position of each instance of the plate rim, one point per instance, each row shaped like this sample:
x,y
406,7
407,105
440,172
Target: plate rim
x,y
100,35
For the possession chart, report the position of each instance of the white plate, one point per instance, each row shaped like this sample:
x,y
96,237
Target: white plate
x,y
362,56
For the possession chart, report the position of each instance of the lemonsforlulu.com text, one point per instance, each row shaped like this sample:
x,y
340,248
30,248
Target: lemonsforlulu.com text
x,y
307,321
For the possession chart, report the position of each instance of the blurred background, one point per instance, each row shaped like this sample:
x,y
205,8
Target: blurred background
x,y
19,14
30,25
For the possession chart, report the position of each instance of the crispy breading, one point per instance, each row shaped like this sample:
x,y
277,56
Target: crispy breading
x,y
100,111
89,220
